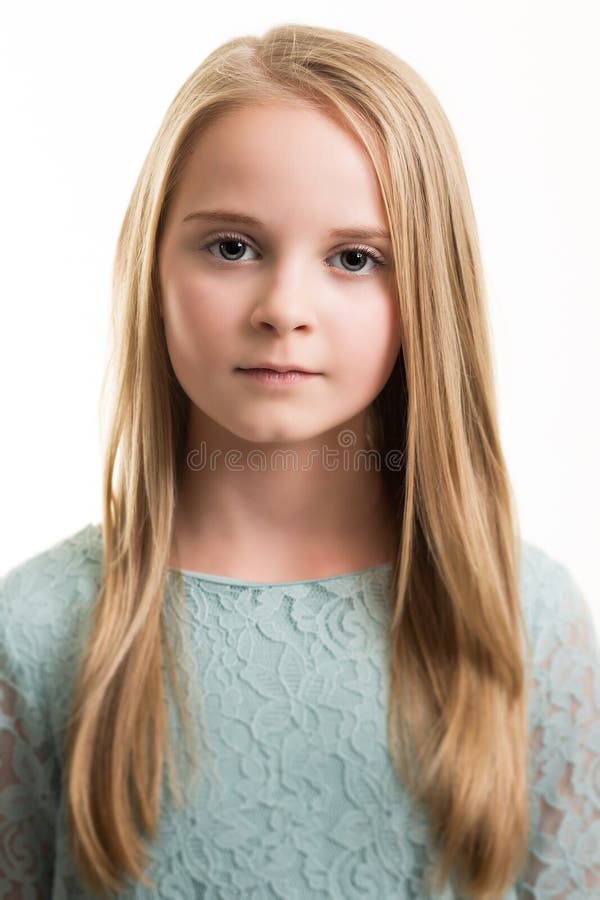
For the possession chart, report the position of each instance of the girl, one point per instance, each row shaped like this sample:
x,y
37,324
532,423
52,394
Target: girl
x,y
318,575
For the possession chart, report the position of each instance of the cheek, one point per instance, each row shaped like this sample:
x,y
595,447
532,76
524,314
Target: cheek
x,y
389,330
371,340
196,319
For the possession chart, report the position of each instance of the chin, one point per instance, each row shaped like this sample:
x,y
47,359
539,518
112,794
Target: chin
x,y
275,436
272,432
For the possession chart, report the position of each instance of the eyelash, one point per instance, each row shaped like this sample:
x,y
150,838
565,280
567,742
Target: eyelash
x,y
232,236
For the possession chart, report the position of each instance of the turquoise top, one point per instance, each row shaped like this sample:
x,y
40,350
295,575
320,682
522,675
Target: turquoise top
x,y
296,797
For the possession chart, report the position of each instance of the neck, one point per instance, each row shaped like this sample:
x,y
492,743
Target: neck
x,y
318,508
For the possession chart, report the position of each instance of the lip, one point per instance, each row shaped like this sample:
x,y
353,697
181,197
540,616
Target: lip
x,y
271,379
275,368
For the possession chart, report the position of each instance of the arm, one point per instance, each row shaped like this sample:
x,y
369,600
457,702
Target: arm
x,y
564,856
26,818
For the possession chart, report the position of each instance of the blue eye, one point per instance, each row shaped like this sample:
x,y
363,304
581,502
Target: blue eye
x,y
232,247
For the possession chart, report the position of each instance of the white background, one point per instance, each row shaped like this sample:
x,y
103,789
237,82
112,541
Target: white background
x,y
83,91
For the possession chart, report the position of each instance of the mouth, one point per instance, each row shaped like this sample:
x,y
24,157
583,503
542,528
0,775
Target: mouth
x,y
275,377
271,367
280,371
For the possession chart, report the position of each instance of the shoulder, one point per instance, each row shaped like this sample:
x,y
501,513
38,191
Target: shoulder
x,y
564,643
44,602
69,570
550,595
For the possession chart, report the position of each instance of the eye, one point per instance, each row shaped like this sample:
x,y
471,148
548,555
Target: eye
x,y
231,249
358,256
231,244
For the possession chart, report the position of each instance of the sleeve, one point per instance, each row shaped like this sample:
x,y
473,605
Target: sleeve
x,y
564,849
26,757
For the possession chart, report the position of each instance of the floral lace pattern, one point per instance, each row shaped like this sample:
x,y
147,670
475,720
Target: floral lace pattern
x,y
296,797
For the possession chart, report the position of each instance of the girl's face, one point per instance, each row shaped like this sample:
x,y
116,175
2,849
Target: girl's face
x,y
258,265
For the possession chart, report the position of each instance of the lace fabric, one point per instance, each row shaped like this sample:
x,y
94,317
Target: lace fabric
x,y
565,741
296,796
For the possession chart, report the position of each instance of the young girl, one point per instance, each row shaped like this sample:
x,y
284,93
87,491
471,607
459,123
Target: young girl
x,y
311,585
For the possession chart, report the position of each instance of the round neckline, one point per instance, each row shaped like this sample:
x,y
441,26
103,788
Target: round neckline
x,y
224,579
242,582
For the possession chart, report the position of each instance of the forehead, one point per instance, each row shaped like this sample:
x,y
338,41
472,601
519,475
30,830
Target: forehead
x,y
281,155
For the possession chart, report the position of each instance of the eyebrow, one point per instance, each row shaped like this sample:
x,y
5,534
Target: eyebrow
x,y
357,232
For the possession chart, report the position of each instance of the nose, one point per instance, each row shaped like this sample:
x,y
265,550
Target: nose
x,y
283,304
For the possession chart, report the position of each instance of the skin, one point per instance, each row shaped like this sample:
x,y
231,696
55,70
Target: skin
x,y
290,293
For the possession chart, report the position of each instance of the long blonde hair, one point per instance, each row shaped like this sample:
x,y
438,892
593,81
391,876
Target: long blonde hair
x,y
457,720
